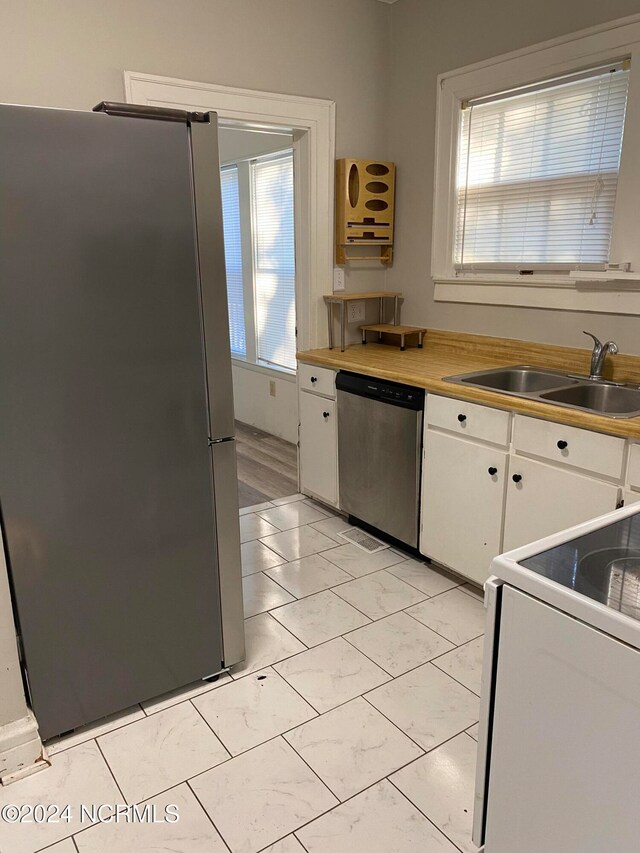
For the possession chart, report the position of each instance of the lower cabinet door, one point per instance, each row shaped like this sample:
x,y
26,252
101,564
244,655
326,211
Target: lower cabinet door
x,y
462,498
543,499
318,447
564,754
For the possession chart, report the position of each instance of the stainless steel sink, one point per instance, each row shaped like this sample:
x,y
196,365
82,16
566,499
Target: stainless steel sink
x,y
557,389
517,380
611,400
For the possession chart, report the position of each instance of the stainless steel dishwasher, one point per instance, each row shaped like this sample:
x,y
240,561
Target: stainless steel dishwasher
x,y
379,453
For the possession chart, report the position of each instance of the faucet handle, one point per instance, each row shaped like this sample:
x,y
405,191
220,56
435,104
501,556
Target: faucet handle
x,y
597,342
611,347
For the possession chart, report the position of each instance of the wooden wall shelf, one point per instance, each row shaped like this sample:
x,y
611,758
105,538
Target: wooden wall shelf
x,y
365,206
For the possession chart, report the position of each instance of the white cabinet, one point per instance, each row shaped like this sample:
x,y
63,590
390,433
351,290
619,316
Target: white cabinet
x,y
318,455
469,516
544,499
462,503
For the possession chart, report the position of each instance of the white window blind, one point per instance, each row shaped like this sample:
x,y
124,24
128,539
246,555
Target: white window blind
x,y
537,173
274,259
233,258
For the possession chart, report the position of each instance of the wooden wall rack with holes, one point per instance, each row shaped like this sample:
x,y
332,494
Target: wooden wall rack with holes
x,y
365,204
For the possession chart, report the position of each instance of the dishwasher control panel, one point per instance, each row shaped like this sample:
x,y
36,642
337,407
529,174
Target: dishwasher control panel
x,y
395,393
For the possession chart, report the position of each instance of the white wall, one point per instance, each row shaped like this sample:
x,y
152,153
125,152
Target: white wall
x,y
428,38
255,404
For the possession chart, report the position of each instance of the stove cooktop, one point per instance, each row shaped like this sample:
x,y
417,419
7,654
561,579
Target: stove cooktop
x,y
603,565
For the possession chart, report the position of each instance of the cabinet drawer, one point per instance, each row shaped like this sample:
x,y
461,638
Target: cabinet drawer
x,y
581,448
468,419
320,380
634,465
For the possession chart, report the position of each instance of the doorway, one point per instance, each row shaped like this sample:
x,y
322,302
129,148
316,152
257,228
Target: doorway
x,y
311,122
257,180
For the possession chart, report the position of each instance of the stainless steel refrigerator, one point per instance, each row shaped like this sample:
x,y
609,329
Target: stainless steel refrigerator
x,y
118,490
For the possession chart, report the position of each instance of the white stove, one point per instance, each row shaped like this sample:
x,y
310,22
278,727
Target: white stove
x,y
559,755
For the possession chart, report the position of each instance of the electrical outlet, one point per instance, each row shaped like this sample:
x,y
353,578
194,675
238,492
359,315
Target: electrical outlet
x,y
355,312
338,278
272,388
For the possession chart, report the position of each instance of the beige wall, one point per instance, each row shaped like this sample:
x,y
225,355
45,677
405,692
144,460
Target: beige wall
x,y
428,38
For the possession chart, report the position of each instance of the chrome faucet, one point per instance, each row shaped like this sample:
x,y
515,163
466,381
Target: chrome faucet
x,y
600,352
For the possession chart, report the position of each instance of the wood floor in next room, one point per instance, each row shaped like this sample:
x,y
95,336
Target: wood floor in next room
x,y
267,466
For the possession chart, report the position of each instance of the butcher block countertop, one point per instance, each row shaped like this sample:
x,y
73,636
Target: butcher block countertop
x,y
451,353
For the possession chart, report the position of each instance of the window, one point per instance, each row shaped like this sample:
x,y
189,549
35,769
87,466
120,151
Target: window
x,y
537,173
233,258
258,215
536,176
274,260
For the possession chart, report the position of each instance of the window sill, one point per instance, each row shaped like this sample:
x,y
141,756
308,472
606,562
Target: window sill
x,y
275,372
556,292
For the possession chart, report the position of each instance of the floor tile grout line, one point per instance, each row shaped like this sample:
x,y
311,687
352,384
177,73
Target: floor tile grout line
x,y
280,607
457,645
113,775
389,720
453,678
344,802
433,595
390,674
283,588
365,697
413,668
384,616
326,784
422,812
272,737
214,733
209,818
137,803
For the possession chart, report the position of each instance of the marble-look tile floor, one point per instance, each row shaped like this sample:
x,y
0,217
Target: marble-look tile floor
x,y
351,726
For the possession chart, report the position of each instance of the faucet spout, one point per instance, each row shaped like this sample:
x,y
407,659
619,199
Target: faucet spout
x,y
599,354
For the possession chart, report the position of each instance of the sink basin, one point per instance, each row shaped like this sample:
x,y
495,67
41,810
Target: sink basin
x,y
612,400
517,380
557,389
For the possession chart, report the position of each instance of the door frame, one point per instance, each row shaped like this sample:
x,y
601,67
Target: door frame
x,y
313,124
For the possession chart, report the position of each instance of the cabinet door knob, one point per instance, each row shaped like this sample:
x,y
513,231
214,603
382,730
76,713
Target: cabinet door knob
x,y
562,445
314,379
325,415
492,470
462,418
516,478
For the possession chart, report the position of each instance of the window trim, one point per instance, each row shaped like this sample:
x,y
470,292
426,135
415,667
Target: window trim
x,y
561,291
